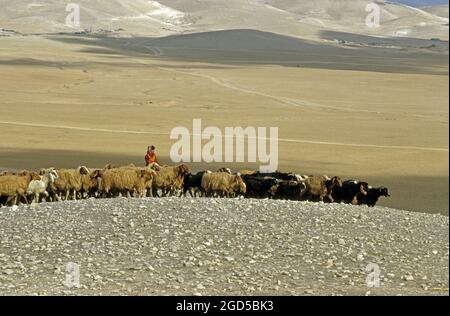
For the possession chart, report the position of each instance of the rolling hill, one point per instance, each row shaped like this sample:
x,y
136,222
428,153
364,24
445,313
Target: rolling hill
x,y
298,18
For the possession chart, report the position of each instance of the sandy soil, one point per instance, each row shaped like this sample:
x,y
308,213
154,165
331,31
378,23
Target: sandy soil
x,y
65,103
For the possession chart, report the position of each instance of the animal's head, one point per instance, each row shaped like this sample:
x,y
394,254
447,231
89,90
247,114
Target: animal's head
x,y
52,175
24,173
273,186
225,170
95,174
45,171
336,181
83,170
241,184
363,188
33,176
93,179
384,192
99,174
147,175
183,169
154,166
302,186
108,166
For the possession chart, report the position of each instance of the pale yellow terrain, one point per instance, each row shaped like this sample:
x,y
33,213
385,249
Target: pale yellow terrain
x,y
64,104
297,18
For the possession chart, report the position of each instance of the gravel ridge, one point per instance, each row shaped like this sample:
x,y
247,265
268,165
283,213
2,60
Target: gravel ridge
x,y
186,246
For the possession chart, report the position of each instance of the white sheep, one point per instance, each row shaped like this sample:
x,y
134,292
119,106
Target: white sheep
x,y
39,187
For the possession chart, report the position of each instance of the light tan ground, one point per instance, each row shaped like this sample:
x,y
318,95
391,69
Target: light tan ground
x,y
63,106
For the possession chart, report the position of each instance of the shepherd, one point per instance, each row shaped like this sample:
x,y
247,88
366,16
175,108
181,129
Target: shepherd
x,y
150,157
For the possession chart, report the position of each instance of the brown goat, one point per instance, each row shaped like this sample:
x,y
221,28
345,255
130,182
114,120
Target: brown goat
x,y
169,179
321,187
222,184
126,180
69,182
90,182
15,186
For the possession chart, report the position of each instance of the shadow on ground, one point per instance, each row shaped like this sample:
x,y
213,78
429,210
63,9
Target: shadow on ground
x,y
237,47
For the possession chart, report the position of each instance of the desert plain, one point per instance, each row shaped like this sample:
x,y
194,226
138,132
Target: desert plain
x,y
361,113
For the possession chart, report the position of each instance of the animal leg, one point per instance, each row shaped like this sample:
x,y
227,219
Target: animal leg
x,y
362,191
331,200
321,197
10,198
24,197
46,195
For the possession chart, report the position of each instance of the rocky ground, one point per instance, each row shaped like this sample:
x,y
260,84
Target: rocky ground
x,y
220,247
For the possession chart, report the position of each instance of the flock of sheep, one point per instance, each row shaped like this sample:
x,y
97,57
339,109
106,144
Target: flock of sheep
x,y
154,181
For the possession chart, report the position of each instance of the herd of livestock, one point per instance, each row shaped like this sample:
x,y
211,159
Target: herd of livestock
x,y
154,181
